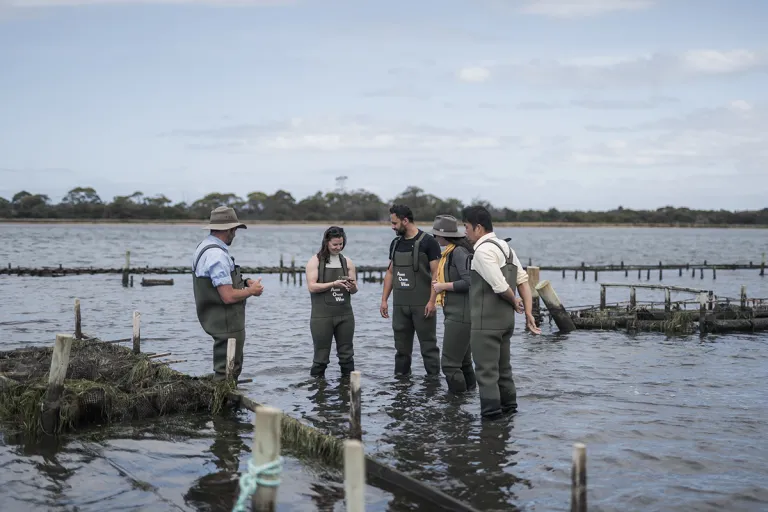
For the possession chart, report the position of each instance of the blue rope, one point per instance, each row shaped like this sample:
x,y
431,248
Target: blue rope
x,y
252,479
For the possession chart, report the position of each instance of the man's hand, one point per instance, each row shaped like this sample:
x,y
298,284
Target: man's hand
x,y
384,309
439,287
429,309
530,324
255,287
519,305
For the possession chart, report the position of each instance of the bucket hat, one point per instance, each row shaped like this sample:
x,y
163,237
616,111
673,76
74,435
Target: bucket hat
x,y
224,218
446,226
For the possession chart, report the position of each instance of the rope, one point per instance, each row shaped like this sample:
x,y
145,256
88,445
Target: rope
x,y
252,479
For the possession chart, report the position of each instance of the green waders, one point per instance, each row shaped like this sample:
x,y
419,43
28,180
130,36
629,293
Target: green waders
x,y
493,320
456,360
221,321
332,317
412,285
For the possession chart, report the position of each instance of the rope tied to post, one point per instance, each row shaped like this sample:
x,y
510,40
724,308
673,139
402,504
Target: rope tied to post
x,y
251,480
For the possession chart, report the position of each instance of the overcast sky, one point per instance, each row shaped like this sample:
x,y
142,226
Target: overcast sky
x,y
573,104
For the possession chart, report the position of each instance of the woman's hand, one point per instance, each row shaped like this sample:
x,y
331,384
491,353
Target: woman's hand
x,y
439,287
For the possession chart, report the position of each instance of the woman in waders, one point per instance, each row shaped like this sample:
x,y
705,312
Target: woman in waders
x,y
331,280
452,288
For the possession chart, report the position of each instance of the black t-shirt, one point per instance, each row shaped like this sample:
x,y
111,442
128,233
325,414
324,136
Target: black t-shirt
x,y
428,246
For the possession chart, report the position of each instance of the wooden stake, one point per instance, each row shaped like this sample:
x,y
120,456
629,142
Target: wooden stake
x,y
556,309
579,478
78,325
136,339
354,475
602,297
266,449
702,315
762,266
533,280
355,410
126,268
743,297
632,298
231,349
155,356
59,364
667,301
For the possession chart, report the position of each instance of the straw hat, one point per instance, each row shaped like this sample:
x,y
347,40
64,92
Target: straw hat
x,y
446,226
224,218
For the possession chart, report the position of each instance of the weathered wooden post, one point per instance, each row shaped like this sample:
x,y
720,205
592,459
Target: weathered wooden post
x,y
579,478
714,272
533,280
231,350
743,297
667,301
648,275
639,275
710,300
626,272
680,273
301,278
355,409
281,268
266,450
762,266
633,298
702,315
602,297
78,325
126,268
595,275
702,272
693,273
293,268
354,475
131,280
556,309
136,339
661,272
49,410
563,273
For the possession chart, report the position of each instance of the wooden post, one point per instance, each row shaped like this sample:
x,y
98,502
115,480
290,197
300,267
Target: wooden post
x,y
595,275
762,266
355,412
78,325
639,275
301,278
293,268
533,280
710,300
579,478
231,349
136,339
648,275
660,272
602,297
556,309
714,272
702,272
126,268
693,273
632,298
59,363
281,268
743,297
680,273
626,272
563,273
702,315
131,280
354,475
266,449
667,301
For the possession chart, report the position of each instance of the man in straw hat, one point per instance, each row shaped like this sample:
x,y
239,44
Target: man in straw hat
x,y
220,290
495,273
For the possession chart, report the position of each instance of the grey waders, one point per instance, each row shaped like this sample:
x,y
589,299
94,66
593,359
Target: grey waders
x,y
332,317
493,320
221,321
456,360
412,286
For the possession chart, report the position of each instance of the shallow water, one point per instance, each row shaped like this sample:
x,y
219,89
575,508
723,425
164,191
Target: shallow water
x,y
670,423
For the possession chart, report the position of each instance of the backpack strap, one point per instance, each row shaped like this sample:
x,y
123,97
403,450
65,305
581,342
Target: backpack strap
x,y
344,267
211,246
394,248
320,270
416,251
494,242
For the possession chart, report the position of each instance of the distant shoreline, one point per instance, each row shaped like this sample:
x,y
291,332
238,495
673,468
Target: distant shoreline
x,y
423,225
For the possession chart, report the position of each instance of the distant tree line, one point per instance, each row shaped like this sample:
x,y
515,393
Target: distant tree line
x,y
358,205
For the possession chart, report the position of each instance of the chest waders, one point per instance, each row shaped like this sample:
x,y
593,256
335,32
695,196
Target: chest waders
x,y
493,320
456,360
412,287
332,317
221,321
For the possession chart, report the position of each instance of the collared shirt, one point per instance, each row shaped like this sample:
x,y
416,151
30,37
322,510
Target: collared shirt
x,y
488,260
216,264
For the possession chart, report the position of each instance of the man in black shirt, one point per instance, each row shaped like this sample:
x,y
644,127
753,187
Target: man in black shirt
x,y
413,256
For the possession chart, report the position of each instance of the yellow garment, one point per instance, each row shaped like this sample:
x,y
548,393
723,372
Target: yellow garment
x,y
441,273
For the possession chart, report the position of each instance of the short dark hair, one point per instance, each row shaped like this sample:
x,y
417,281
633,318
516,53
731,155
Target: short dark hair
x,y
402,211
477,216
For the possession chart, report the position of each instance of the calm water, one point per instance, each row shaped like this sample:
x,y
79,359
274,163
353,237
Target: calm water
x,y
669,423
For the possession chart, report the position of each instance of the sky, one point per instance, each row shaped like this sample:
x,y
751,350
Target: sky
x,y
567,104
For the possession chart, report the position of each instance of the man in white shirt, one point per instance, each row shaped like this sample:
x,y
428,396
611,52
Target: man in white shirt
x,y
495,271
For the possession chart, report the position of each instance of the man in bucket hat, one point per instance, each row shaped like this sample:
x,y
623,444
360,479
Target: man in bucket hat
x,y
220,290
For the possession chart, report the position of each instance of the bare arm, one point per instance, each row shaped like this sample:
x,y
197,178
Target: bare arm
x,y
312,274
387,284
231,295
352,274
525,293
433,269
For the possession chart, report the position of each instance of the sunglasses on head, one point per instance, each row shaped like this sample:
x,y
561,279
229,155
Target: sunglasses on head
x,y
334,231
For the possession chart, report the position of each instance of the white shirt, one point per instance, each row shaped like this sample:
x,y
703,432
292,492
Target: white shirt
x,y
489,259
333,261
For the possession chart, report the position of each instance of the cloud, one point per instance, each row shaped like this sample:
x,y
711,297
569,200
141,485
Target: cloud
x,y
70,3
474,74
582,8
602,104
730,138
639,71
350,134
